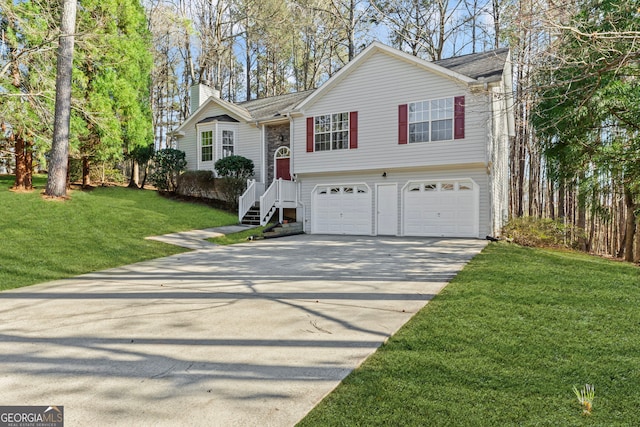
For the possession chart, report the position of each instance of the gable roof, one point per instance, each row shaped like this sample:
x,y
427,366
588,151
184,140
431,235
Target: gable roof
x,y
466,70
487,66
230,107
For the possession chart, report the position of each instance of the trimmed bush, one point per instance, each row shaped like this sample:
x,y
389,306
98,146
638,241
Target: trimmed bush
x,y
200,183
234,172
235,167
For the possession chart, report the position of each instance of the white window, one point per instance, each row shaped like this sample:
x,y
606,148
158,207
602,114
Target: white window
x,y
228,143
431,120
206,146
331,132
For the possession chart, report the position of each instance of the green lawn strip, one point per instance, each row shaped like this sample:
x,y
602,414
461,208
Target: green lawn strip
x,y
45,240
504,344
239,237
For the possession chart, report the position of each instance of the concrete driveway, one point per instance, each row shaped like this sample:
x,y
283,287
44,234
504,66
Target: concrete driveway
x,y
250,334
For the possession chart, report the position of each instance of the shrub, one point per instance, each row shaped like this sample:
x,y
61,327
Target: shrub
x,y
169,163
235,167
542,232
231,189
234,172
200,183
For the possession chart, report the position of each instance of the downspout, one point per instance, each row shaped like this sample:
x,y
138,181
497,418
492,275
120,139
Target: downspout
x,y
217,143
263,155
291,138
198,150
294,176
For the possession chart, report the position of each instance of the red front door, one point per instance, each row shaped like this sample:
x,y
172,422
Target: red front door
x,y
282,168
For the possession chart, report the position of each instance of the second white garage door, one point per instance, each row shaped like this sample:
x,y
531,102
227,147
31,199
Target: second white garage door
x,y
341,209
441,208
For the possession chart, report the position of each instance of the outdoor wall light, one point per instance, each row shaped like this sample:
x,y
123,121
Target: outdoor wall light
x,y
384,174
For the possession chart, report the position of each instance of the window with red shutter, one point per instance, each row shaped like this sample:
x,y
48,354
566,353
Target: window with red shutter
x,y
309,134
431,120
458,117
336,131
353,130
402,123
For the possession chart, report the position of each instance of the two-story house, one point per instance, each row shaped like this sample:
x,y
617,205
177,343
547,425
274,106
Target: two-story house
x,y
389,145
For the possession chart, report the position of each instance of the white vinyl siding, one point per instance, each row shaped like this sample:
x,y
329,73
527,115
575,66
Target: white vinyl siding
x,y
247,140
375,89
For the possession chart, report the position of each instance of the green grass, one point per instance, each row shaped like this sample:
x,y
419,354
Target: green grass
x,y
503,345
44,240
239,237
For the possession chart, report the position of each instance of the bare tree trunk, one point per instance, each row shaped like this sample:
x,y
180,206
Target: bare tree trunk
x,y
57,180
86,172
133,179
630,225
28,163
620,231
551,198
561,200
582,223
496,23
20,162
636,258
351,31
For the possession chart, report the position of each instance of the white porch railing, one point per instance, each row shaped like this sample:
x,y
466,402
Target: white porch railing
x,y
249,197
280,193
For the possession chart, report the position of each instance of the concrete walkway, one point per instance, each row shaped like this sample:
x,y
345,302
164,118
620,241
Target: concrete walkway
x,y
196,239
254,334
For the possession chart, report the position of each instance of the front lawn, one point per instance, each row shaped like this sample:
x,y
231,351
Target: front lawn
x,y
503,345
43,240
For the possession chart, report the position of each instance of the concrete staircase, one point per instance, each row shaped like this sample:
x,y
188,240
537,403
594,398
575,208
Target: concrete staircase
x,y
252,217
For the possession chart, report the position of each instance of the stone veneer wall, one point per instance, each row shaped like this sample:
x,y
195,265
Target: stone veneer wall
x,y
273,134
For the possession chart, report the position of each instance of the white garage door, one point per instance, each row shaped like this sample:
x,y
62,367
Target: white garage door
x,y
441,208
341,209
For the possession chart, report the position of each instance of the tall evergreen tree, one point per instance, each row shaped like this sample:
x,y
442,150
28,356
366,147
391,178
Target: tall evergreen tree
x,y
588,112
113,77
27,81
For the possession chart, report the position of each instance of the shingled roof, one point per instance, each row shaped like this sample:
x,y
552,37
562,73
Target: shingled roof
x,y
486,65
273,106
